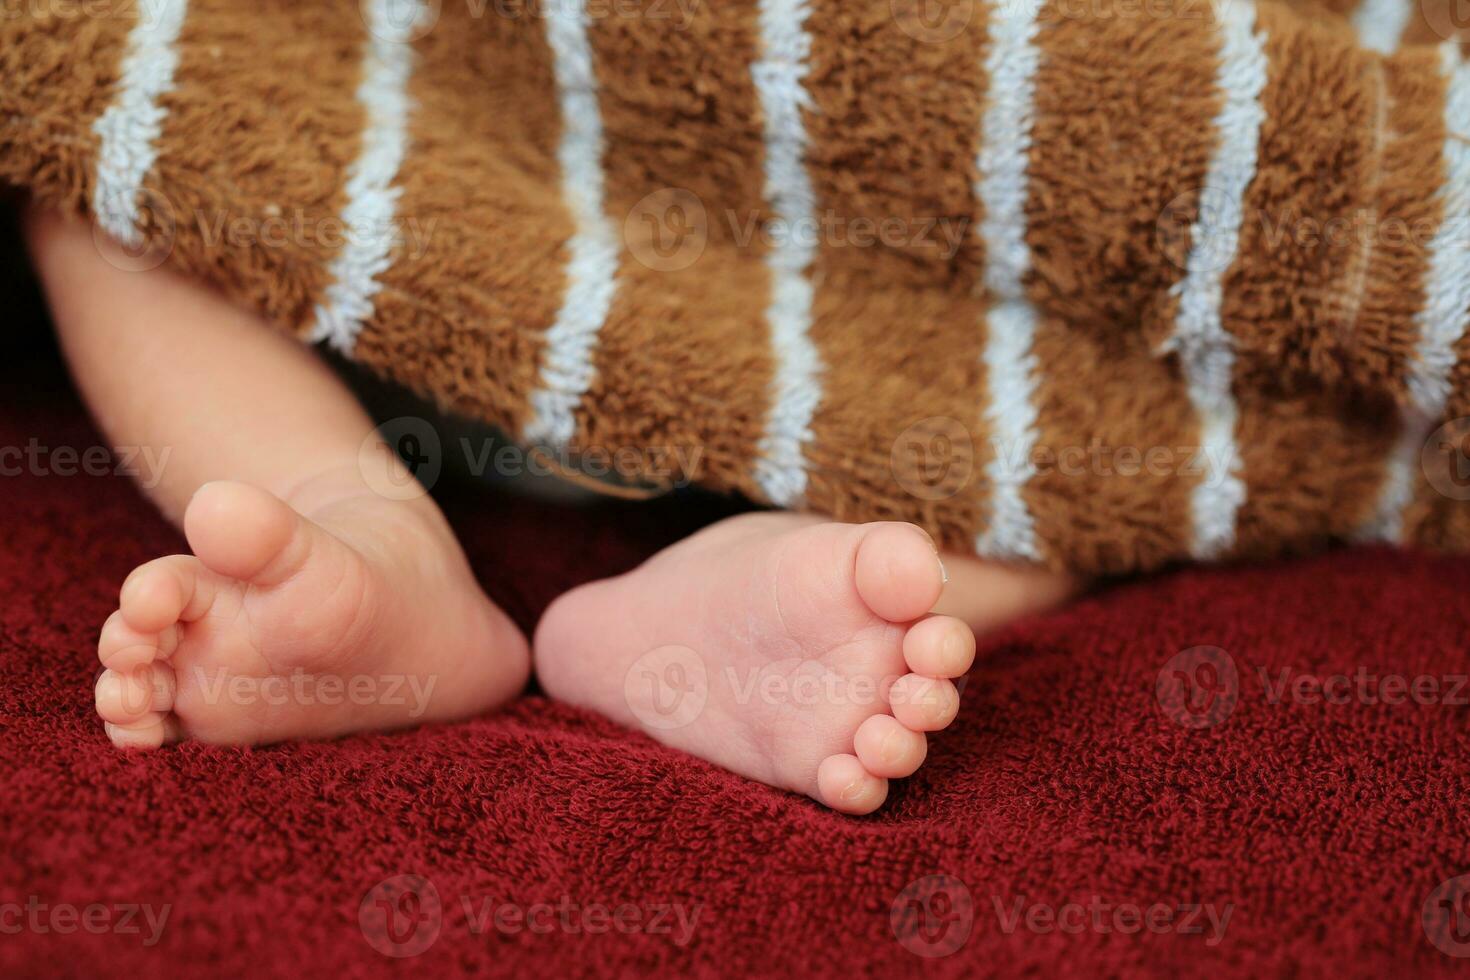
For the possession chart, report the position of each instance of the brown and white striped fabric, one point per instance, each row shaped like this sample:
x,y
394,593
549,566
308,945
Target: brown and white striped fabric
x,y
1099,285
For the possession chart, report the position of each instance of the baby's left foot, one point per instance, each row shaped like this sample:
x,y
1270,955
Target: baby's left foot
x,y
795,652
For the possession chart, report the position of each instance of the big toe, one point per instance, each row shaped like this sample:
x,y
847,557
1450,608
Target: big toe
x,y
898,571
244,532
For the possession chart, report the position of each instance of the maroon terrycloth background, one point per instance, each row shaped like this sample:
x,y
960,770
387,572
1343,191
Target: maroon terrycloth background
x,y
1323,829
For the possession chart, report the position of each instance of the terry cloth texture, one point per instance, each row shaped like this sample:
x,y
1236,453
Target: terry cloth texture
x,y
1324,828
1100,288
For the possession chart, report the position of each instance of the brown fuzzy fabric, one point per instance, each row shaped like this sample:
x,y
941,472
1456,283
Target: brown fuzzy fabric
x,y
654,298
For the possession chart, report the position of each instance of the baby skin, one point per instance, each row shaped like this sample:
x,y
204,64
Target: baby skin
x,y
811,655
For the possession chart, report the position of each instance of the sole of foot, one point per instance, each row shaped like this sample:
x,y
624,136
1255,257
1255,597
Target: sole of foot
x,y
281,625
796,652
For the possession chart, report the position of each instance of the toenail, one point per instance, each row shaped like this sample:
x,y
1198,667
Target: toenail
x,y
928,537
853,791
943,572
890,749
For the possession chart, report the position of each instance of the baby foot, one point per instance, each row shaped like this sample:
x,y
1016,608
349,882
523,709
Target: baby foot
x,y
364,615
787,650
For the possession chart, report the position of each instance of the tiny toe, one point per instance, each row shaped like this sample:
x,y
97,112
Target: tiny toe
x,y
887,749
120,647
898,572
149,732
123,698
940,646
845,786
924,704
158,594
126,697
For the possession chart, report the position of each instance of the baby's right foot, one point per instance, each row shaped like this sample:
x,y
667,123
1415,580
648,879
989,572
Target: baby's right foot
x,y
787,649
363,615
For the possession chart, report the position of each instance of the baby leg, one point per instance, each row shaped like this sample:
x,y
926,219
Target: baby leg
x,y
312,605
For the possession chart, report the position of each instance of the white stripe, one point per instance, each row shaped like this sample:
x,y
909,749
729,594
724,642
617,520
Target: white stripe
x,y
1005,148
129,129
368,215
1380,23
1206,351
1397,491
796,389
592,264
1010,367
1445,316
1442,321
1003,160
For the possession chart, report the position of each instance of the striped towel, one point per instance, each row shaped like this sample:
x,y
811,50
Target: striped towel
x,y
1101,284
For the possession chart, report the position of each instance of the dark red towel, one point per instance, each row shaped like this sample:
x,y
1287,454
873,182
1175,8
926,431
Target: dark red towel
x,y
1068,824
